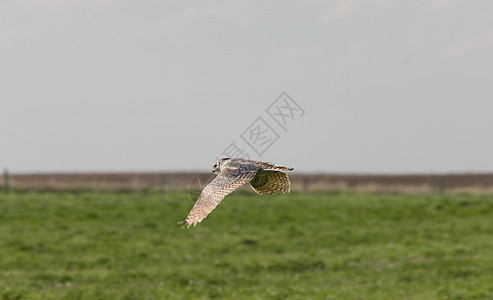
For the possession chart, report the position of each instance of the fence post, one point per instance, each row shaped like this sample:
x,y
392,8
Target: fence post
x,y
5,181
441,185
161,183
305,184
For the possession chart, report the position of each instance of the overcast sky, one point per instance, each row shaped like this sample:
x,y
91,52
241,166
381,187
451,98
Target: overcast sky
x,y
382,86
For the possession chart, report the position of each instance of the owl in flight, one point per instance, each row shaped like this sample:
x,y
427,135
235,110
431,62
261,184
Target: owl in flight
x,y
264,178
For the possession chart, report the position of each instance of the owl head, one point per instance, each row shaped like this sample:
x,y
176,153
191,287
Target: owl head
x,y
216,168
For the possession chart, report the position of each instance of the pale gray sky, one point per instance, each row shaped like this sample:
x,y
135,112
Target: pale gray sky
x,y
387,86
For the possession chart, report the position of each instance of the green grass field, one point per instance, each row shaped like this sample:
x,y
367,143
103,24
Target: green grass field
x,y
322,246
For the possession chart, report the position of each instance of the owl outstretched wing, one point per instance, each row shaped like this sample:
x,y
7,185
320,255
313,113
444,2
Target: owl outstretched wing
x,y
270,182
226,182
265,165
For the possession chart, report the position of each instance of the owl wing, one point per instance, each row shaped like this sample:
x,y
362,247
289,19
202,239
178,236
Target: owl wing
x,y
226,182
270,182
265,165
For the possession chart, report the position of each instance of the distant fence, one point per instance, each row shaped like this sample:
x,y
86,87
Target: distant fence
x,y
307,183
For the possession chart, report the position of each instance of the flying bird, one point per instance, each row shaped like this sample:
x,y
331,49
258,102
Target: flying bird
x,y
264,178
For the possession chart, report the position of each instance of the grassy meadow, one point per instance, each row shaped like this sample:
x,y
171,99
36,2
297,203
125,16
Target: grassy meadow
x,y
320,246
